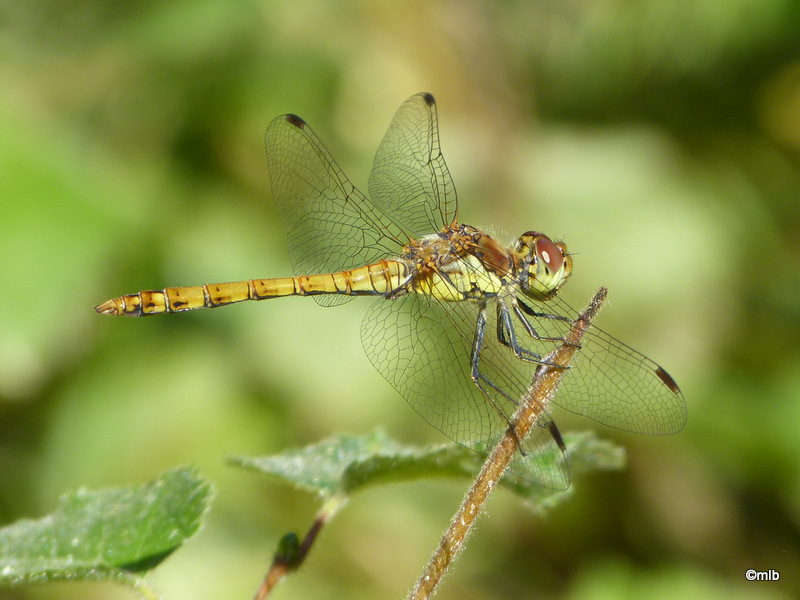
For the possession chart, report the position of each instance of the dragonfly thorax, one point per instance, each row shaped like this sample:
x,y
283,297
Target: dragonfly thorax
x,y
458,263
542,265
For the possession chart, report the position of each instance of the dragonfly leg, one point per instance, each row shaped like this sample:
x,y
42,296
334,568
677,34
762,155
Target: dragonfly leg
x,y
522,309
532,313
507,336
477,377
480,380
506,333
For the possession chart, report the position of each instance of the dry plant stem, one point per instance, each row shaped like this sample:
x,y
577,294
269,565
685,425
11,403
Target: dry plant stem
x,y
532,405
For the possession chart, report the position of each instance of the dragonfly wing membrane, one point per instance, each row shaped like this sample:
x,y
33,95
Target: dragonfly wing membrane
x,y
331,225
410,180
610,382
422,347
621,388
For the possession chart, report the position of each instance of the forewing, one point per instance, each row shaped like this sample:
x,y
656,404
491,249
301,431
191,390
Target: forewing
x,y
410,181
608,381
422,347
331,226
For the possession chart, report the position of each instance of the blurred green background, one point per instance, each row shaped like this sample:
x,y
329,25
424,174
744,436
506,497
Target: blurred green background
x,y
660,140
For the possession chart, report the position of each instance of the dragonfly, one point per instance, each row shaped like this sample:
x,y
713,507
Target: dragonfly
x,y
464,319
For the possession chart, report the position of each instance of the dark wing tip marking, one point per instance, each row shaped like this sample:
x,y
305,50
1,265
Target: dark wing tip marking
x,y
668,380
551,426
428,98
296,121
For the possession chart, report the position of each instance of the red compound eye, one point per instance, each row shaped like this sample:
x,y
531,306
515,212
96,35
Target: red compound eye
x,y
547,251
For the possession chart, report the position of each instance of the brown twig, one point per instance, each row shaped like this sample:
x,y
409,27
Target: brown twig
x,y
291,553
532,405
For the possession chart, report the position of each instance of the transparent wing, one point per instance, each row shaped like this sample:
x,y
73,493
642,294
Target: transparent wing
x,y
422,347
609,381
410,181
331,226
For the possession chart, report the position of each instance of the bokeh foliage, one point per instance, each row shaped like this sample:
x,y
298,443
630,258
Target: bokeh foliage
x,y
660,140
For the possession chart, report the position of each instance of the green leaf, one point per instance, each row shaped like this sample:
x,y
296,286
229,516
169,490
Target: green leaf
x,y
114,534
343,464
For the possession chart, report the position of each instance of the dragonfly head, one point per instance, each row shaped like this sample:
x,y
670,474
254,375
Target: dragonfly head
x,y
542,265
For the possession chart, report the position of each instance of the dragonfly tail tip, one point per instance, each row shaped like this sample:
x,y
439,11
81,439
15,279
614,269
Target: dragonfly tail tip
x,y
107,308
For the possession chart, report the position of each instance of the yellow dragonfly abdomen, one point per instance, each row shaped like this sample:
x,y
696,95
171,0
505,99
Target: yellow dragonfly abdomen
x,y
377,279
